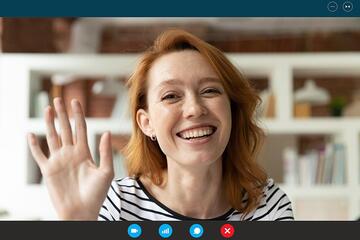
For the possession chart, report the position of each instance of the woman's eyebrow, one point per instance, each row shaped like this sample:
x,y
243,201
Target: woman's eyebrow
x,y
179,82
169,82
209,79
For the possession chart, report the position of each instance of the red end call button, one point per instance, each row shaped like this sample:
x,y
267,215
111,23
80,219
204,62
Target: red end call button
x,y
227,230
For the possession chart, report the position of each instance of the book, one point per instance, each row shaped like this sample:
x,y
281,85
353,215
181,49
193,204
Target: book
x,y
304,171
313,159
328,164
339,164
320,166
290,166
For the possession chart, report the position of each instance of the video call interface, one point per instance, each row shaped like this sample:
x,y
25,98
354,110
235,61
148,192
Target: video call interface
x,y
182,127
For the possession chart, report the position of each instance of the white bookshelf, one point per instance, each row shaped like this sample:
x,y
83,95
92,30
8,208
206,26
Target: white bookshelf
x,y
19,79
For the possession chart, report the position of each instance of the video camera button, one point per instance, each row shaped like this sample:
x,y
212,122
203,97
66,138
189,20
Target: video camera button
x,y
134,230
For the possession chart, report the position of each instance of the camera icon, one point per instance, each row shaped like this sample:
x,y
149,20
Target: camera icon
x,y
134,230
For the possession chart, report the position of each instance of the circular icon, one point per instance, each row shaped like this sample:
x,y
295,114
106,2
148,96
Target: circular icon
x,y
348,6
227,230
165,231
332,6
196,230
134,231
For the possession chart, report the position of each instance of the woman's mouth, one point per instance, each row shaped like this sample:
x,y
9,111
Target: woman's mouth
x,y
197,133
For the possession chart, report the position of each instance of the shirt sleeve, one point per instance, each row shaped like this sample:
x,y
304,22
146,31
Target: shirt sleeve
x,y
111,208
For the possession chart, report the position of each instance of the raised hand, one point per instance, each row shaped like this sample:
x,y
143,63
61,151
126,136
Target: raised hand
x,y
77,187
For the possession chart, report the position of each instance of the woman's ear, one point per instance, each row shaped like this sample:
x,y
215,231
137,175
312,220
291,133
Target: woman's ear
x,y
144,122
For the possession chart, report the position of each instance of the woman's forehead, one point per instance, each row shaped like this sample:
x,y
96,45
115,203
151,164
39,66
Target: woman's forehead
x,y
178,67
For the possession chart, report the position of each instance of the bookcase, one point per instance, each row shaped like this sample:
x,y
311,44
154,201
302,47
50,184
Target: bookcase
x,y
21,74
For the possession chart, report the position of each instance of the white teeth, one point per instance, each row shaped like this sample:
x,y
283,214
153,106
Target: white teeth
x,y
200,132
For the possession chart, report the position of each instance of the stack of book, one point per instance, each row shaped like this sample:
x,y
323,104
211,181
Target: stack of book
x,y
318,166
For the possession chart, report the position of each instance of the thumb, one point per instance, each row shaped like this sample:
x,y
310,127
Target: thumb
x,y
106,159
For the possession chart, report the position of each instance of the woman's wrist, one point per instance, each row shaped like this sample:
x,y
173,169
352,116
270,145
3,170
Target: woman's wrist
x,y
77,216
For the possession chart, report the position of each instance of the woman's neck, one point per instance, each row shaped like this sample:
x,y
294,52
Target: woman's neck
x,y
194,192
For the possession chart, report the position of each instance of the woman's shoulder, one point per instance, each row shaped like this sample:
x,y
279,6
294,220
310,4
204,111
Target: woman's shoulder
x,y
125,188
126,183
272,192
270,184
125,180
274,204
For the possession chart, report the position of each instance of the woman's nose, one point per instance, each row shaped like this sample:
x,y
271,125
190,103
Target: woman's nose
x,y
194,108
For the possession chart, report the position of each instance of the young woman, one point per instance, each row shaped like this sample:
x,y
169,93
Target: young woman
x,y
191,154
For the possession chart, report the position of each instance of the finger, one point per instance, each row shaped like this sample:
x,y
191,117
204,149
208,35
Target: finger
x,y
65,132
80,124
36,151
106,159
52,137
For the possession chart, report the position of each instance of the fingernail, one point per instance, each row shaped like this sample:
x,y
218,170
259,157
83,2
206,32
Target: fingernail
x,y
58,100
73,102
31,138
47,109
107,134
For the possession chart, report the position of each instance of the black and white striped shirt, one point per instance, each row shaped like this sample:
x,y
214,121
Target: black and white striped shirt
x,y
129,200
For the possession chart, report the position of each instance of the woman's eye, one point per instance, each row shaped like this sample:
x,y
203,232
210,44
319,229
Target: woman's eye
x,y
211,90
169,97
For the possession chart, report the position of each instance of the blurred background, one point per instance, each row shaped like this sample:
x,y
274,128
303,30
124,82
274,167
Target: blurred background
x,y
306,70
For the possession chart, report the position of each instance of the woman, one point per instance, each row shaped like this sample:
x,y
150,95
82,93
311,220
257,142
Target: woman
x,y
192,152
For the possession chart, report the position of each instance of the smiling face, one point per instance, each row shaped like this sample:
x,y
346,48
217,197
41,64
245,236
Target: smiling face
x,y
188,109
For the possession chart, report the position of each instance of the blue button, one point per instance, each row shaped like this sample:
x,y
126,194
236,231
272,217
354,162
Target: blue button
x,y
165,231
196,230
134,231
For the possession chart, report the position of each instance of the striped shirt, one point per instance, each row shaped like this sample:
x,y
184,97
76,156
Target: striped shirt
x,y
128,200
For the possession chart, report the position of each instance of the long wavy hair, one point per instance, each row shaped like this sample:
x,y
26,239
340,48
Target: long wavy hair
x,y
241,173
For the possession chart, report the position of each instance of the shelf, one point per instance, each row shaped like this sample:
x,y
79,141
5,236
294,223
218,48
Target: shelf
x,y
311,126
30,202
95,125
107,64
303,63
280,71
328,191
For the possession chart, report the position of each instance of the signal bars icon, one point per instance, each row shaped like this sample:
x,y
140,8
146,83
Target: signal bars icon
x,y
165,230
